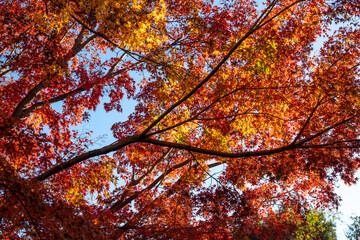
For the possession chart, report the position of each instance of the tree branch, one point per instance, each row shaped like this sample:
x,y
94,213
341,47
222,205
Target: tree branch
x,y
242,154
21,107
252,29
61,97
28,99
324,131
120,204
307,122
97,152
137,138
217,153
38,105
137,181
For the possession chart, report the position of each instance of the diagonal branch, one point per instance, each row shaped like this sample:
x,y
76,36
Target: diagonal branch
x,y
255,26
147,173
21,107
61,97
279,13
336,144
28,99
77,48
306,122
38,105
137,181
120,204
166,194
94,153
207,172
103,36
325,130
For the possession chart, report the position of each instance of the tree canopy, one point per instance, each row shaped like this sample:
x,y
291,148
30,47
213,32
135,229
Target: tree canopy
x,y
315,224
266,94
353,232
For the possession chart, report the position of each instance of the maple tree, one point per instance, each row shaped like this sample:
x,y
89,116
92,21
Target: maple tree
x,y
232,85
317,225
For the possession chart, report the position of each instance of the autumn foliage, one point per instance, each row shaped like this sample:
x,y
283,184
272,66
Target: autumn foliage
x,y
247,115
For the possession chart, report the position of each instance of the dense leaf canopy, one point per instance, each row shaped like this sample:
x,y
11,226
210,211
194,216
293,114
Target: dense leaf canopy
x,y
264,94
